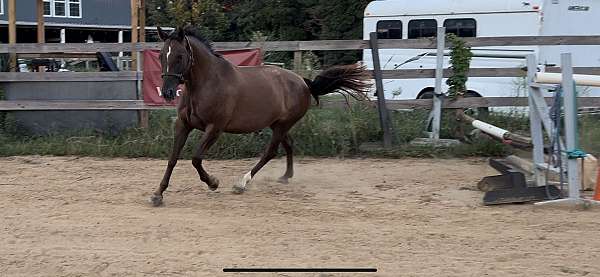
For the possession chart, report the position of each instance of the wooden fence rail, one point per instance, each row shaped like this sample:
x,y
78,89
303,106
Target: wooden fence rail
x,y
475,102
386,74
70,76
426,43
324,45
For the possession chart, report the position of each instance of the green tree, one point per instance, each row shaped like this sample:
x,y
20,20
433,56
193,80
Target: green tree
x,y
156,14
339,19
206,15
277,19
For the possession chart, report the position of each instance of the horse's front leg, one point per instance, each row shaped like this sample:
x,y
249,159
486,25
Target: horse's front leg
x,y
211,134
182,132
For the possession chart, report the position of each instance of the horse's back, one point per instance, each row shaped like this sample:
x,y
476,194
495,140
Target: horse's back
x,y
269,94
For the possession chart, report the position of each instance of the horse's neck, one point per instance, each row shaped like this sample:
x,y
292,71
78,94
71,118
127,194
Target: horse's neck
x,y
203,58
205,63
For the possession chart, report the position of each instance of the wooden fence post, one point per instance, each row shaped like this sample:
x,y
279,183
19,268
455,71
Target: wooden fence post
x,y
12,33
384,117
134,29
41,32
136,60
298,62
144,114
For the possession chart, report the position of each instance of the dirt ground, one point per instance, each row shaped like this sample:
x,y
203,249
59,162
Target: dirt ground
x,y
69,216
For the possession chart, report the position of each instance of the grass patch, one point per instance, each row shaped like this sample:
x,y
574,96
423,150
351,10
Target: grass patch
x,y
322,132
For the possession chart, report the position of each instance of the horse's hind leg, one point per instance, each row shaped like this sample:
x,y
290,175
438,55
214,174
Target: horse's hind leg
x,y
208,139
287,143
270,152
181,134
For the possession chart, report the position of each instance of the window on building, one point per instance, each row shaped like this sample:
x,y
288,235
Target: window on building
x,y
422,28
47,8
389,29
74,8
462,27
62,8
1,6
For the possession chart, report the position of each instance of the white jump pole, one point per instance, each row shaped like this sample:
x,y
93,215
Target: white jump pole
x,y
490,129
556,78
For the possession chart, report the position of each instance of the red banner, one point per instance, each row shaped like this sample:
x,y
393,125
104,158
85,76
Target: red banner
x,y
152,71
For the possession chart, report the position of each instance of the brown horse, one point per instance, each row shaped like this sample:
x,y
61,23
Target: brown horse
x,y
221,97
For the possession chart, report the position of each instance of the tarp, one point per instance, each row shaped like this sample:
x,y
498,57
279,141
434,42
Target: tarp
x,y
152,70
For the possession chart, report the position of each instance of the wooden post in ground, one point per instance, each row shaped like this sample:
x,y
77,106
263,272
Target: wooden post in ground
x,y
41,32
384,117
137,15
298,62
12,32
143,114
134,28
142,20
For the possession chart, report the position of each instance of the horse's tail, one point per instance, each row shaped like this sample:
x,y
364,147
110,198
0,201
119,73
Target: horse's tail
x,y
351,79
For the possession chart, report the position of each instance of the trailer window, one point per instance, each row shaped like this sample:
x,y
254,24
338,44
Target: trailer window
x,y
389,29
422,28
463,27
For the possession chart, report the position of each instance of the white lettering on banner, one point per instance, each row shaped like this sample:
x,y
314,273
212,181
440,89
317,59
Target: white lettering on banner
x,y
159,91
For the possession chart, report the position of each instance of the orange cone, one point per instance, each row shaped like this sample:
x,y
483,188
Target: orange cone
x,y
597,190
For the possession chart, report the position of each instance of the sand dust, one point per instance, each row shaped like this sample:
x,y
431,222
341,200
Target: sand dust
x,y
69,216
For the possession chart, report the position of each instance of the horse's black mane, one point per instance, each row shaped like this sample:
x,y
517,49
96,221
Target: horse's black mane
x,y
195,33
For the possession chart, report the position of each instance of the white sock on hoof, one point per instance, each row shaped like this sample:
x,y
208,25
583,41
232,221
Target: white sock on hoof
x,y
245,180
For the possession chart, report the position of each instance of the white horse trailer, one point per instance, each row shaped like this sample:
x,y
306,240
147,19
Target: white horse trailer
x,y
408,19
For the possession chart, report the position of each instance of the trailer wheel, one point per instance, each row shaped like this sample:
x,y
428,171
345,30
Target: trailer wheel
x,y
479,113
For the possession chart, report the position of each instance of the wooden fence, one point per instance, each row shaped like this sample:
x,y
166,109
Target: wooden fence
x,y
475,102
64,50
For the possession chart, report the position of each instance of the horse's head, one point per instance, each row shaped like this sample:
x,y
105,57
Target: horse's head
x,y
176,58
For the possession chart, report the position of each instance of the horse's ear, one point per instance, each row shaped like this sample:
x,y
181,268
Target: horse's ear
x,y
162,34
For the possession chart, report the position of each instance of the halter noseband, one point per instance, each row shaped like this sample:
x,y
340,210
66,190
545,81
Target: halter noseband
x,y
180,76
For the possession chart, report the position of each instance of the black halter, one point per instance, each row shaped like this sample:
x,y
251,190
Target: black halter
x,y
180,76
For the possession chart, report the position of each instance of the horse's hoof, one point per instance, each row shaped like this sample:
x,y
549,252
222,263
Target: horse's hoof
x,y
156,200
240,186
283,180
213,183
238,189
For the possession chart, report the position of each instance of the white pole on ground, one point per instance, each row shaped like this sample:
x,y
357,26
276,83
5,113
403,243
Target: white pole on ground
x,y
436,110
